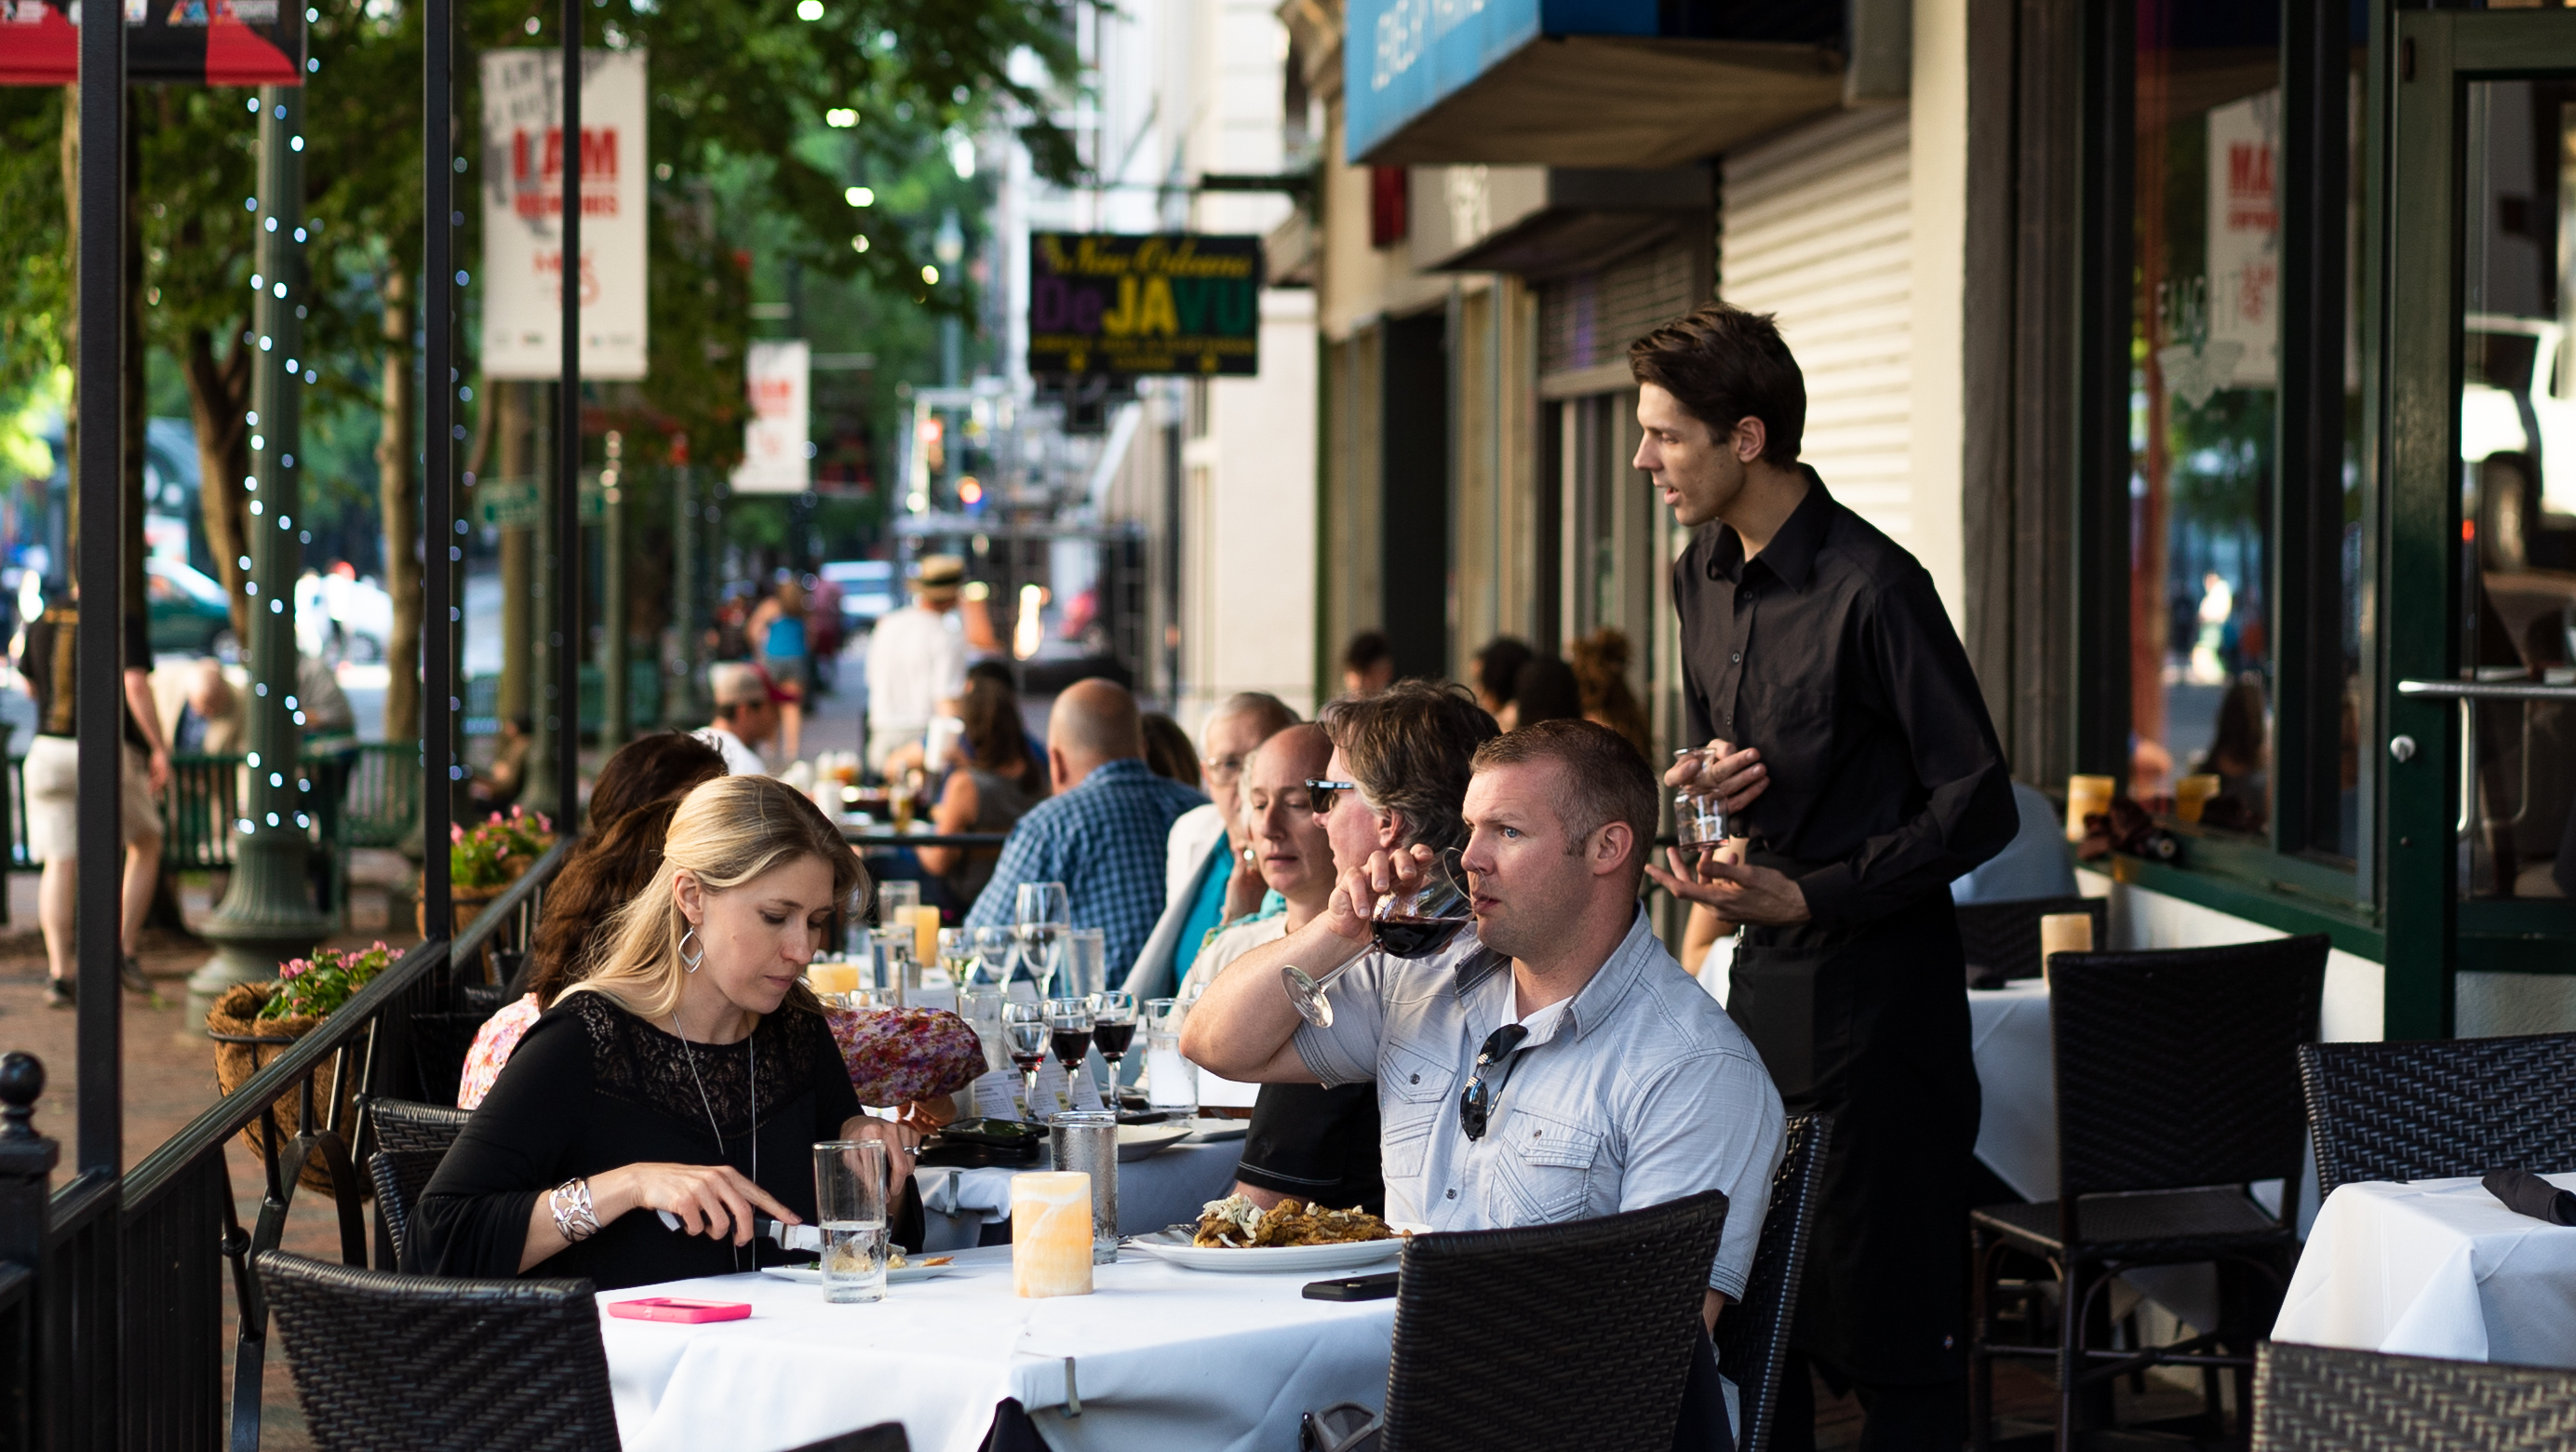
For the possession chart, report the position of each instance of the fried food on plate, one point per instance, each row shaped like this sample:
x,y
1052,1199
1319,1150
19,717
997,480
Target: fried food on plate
x,y
1235,1223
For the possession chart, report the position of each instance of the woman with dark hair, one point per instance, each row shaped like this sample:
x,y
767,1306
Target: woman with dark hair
x,y
1168,752
648,769
1600,662
1498,672
992,783
1545,690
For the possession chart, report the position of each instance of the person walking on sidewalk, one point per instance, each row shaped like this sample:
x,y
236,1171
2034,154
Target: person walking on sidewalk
x,y
916,659
1847,739
47,662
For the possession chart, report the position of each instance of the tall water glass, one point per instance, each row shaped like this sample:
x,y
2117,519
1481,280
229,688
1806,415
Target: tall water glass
x,y
982,1010
895,901
1171,1082
1081,963
1087,1142
850,1208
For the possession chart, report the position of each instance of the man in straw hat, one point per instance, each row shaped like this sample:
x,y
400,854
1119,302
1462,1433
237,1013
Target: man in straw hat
x,y
916,658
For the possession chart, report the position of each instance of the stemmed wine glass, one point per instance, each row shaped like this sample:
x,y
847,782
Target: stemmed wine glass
x,y
1024,1035
1113,1028
1407,923
1068,1022
991,965
1039,912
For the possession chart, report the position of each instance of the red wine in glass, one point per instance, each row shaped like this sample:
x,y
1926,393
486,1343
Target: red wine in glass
x,y
1029,1063
1113,1039
1071,1045
1415,935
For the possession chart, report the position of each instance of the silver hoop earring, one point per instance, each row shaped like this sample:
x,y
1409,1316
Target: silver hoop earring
x,y
687,963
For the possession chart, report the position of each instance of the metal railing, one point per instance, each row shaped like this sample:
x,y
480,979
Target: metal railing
x,y
118,1285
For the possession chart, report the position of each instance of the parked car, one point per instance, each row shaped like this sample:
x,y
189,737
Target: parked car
x,y
189,612
2518,438
867,590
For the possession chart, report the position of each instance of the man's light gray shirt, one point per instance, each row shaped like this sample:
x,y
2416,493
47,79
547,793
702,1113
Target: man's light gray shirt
x,y
1643,1091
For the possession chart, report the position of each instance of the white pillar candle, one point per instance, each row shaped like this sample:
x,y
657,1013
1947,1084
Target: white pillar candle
x,y
1051,1234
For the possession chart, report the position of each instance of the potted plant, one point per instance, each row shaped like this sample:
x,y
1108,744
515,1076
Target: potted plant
x,y
484,859
253,1020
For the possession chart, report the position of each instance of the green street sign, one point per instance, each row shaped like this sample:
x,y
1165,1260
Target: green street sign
x,y
506,503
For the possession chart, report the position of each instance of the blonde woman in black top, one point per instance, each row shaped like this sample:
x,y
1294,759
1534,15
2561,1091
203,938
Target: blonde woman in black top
x,y
690,1073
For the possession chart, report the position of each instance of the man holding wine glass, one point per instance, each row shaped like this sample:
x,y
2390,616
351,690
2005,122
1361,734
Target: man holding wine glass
x,y
1848,747
1547,1060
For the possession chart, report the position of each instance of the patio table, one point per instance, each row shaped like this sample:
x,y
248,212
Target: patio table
x,y
1160,1359
1161,1189
2435,1268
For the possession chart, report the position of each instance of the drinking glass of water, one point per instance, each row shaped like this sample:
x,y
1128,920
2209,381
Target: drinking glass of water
x,y
850,1208
1171,1082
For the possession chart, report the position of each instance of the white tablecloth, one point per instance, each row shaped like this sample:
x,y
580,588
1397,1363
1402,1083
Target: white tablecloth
x,y
2436,1268
1163,1358
2017,1131
1159,1190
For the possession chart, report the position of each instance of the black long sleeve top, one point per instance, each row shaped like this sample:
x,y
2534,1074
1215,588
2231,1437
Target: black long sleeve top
x,y
593,1087
1831,653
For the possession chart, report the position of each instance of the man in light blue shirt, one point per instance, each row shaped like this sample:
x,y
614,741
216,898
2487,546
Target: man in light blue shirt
x,y
1556,1063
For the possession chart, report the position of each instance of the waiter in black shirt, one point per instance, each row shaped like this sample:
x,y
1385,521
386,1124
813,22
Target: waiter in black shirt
x,y
1853,751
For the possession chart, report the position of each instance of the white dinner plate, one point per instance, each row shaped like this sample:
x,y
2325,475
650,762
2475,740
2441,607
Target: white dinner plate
x,y
1266,1260
1212,1130
807,1275
1136,1141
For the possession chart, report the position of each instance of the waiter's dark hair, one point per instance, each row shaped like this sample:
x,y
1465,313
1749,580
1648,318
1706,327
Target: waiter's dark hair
x,y
1605,781
1411,748
1726,365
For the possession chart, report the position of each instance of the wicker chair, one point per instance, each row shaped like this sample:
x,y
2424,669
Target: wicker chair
x,y
2325,1399
399,1176
1753,1336
407,1124
2177,1086
2422,1111
2002,938
389,1362
1620,1297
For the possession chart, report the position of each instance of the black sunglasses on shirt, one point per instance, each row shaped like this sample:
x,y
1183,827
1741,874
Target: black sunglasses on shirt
x,y
1476,1101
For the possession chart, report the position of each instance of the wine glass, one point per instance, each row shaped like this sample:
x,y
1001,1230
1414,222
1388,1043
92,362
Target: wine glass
x,y
1039,911
1407,923
1113,1028
1068,1022
991,965
1024,1035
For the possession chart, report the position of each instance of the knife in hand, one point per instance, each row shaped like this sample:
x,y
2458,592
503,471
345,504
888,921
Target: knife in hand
x,y
786,1237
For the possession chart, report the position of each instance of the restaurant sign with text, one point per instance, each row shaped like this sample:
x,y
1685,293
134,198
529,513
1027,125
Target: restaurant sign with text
x,y
1103,304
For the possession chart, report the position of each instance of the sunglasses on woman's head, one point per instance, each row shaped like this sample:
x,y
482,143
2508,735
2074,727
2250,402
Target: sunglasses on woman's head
x,y
1476,1101
1321,794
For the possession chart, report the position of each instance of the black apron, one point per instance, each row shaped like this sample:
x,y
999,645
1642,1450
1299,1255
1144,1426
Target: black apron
x,y
1869,1023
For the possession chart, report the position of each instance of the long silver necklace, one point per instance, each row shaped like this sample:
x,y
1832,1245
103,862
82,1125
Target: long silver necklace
x,y
751,1093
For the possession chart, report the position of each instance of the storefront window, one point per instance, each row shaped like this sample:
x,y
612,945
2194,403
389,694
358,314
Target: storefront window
x,y
2205,363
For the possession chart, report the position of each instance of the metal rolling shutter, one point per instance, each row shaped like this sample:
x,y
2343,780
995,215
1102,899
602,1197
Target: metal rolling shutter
x,y
1588,319
1818,230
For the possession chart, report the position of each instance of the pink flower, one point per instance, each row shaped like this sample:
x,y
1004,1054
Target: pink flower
x,y
293,969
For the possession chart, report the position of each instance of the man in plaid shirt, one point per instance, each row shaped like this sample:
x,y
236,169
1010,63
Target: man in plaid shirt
x,y
1102,834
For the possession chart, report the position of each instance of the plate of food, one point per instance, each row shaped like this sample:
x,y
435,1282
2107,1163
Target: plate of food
x,y
1211,1129
899,1269
1235,1235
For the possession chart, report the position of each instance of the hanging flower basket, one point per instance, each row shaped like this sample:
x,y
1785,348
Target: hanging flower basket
x,y
254,1022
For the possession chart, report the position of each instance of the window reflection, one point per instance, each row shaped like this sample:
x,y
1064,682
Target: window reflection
x,y
2205,388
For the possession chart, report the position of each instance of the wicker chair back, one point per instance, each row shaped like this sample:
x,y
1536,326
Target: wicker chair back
x,y
2326,1399
388,1361
2178,1069
408,1124
400,1176
2424,1110
1572,1337
1753,1336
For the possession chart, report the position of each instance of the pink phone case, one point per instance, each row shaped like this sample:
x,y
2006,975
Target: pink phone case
x,y
672,1308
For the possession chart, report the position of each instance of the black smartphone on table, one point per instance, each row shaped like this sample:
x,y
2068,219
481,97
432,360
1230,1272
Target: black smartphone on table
x,y
1353,1288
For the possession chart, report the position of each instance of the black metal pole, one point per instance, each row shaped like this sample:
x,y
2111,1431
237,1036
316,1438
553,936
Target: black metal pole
x,y
442,697
567,561
101,647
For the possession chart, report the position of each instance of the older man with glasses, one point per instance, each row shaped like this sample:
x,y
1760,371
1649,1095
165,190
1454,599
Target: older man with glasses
x,y
1553,1064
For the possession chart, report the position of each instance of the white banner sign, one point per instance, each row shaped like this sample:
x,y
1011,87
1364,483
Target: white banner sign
x,y
775,456
523,212
2245,238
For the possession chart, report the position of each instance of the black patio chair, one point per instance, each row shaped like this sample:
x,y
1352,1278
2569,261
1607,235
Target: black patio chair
x,y
2001,939
392,1363
1753,1335
2440,1107
399,1177
407,1124
2177,1087
1620,1296
2327,1399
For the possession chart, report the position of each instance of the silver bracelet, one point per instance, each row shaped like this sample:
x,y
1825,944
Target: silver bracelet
x,y
575,1220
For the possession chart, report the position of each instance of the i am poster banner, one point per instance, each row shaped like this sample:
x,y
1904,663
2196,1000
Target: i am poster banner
x,y
523,214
